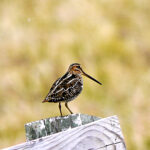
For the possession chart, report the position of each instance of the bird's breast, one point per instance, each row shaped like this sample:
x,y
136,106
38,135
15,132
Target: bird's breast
x,y
74,87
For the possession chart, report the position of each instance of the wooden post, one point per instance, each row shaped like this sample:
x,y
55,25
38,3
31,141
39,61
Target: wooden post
x,y
73,132
44,127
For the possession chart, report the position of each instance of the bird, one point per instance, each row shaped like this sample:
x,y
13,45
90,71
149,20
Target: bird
x,y
68,87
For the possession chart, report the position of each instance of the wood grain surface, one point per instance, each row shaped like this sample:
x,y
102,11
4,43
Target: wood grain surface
x,y
103,134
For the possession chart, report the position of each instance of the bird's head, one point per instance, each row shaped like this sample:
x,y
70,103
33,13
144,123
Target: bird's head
x,y
76,69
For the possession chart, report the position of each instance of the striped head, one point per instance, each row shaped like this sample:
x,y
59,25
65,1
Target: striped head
x,y
75,69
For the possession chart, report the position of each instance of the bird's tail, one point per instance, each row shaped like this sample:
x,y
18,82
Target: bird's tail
x,y
45,100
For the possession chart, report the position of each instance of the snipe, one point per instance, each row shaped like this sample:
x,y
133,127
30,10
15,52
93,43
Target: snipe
x,y
68,87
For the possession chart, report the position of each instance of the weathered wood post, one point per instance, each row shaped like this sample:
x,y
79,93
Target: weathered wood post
x,y
73,132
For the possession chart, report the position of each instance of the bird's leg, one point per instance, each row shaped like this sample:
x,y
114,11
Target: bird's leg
x,y
60,108
66,104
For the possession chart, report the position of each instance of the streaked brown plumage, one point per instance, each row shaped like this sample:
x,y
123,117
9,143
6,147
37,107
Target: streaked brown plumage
x,y
68,87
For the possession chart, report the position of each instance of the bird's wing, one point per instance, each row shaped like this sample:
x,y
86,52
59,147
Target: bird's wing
x,y
66,89
48,97
53,88
54,85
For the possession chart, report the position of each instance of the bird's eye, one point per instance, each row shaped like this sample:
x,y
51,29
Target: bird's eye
x,y
77,68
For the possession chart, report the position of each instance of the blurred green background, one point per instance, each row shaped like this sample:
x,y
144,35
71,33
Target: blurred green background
x,y
39,39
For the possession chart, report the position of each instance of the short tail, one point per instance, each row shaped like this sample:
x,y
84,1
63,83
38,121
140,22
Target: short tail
x,y
45,100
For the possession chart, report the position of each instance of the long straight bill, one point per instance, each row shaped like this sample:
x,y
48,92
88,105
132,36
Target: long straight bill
x,y
91,77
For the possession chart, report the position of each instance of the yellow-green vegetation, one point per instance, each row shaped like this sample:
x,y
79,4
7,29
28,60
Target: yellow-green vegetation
x,y
39,39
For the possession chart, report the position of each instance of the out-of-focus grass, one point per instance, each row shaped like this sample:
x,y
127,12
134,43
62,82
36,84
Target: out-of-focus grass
x,y
40,39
